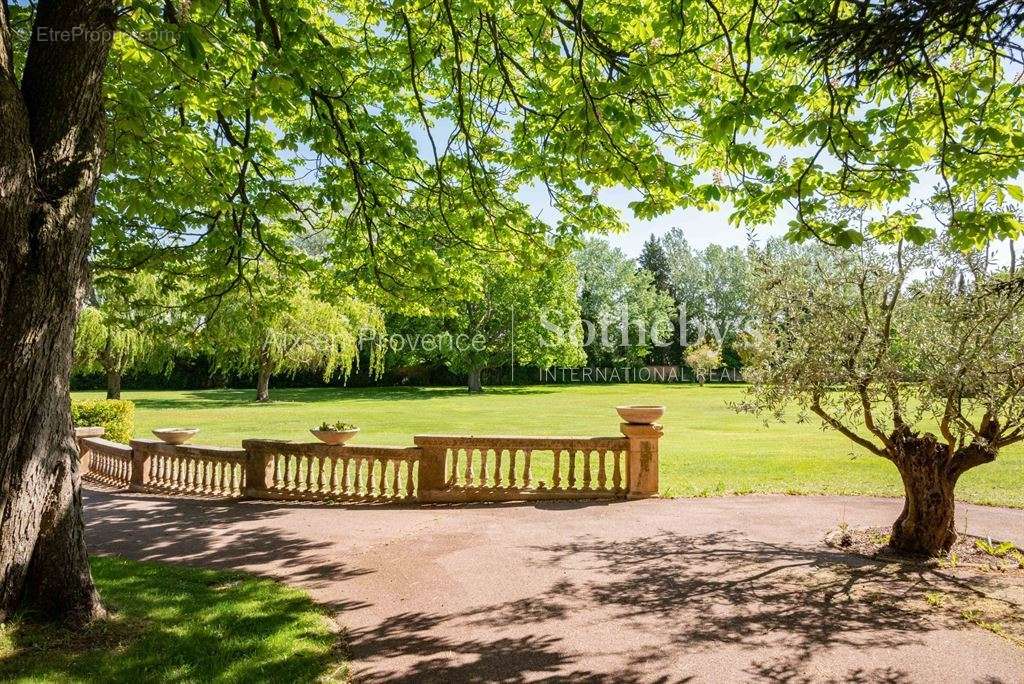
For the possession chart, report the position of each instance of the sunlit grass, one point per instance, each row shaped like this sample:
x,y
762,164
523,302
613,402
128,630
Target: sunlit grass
x,y
708,449
179,624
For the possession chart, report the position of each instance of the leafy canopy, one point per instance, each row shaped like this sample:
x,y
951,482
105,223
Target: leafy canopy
x,y
530,316
713,287
624,313
126,325
403,132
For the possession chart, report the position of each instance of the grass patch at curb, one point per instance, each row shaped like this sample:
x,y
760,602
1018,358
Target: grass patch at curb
x,y
174,623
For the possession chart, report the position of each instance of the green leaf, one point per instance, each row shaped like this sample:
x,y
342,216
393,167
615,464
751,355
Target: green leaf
x,y
849,238
192,42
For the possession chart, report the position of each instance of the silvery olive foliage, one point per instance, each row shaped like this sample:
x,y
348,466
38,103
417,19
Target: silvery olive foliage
x,y
880,338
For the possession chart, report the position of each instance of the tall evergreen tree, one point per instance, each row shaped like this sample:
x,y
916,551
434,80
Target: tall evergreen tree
x,y
654,260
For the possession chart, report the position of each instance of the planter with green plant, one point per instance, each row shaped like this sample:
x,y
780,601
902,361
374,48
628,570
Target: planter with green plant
x,y
335,433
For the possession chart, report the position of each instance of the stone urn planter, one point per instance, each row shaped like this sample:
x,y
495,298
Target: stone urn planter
x,y
640,415
335,436
176,435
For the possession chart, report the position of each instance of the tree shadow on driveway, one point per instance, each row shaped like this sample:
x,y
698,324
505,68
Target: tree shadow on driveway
x,y
212,534
691,597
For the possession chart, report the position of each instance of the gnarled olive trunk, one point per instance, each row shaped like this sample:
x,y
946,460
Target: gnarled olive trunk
x,y
926,525
930,470
50,151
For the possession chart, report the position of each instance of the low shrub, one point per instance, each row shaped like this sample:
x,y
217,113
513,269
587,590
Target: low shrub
x,y
116,416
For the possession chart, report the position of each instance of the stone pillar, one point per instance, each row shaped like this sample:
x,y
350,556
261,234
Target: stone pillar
x,y
642,459
84,452
142,458
431,471
259,470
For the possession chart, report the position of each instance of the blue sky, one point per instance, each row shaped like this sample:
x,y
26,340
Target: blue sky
x,y
702,228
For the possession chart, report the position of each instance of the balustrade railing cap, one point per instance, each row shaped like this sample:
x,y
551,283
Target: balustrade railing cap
x,y
522,438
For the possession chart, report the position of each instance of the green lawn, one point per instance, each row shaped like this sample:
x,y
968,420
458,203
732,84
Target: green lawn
x,y
708,449
177,624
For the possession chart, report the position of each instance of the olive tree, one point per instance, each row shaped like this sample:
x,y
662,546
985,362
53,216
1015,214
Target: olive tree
x,y
914,355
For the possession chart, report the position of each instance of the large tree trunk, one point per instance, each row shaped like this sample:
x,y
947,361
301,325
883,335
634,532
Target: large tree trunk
x,y
475,383
50,151
113,384
263,384
109,363
927,524
930,470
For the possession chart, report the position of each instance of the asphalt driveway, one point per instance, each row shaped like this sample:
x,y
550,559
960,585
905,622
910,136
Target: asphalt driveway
x,y
725,589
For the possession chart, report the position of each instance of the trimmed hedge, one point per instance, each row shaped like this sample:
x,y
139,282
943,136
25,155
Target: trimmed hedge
x,y
116,416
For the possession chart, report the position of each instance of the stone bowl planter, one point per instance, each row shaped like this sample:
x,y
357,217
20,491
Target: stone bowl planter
x,y
176,435
335,436
640,415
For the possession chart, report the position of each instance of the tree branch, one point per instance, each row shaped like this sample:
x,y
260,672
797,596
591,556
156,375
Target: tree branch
x,y
845,431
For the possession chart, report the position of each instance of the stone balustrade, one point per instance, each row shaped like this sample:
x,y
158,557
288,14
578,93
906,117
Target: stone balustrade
x,y
324,472
438,469
503,468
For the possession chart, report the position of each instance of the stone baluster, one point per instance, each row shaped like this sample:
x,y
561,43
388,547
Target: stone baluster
x,y
556,478
616,471
496,480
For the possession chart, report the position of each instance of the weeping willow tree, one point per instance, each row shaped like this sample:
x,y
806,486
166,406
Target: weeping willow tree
x,y
103,345
126,326
291,332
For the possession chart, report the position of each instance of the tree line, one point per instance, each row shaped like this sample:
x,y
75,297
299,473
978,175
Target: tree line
x,y
586,305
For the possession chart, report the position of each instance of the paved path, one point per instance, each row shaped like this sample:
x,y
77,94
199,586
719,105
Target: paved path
x,y
710,590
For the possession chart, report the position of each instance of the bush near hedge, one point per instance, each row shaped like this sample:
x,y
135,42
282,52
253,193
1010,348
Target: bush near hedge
x,y
116,416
